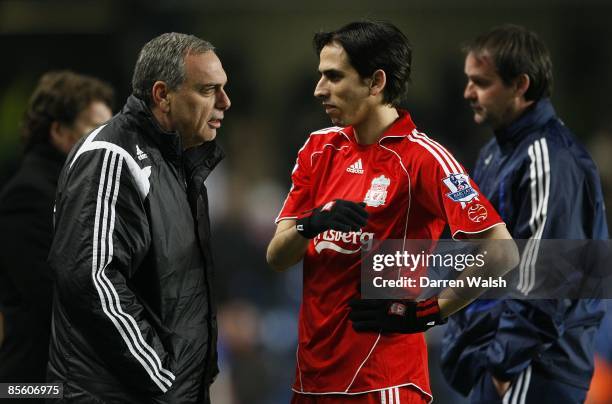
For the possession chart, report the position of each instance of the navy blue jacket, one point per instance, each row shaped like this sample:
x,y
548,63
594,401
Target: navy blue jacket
x,y
545,186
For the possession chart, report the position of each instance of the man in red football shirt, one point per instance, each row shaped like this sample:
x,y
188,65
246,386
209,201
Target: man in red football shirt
x,y
374,176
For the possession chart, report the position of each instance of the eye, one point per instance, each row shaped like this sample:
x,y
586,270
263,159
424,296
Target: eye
x,y
334,76
207,90
479,82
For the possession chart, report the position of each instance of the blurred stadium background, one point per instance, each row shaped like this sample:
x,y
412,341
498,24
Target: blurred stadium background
x,y
265,47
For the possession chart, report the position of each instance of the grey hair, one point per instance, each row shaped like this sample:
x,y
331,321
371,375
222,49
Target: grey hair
x,y
163,59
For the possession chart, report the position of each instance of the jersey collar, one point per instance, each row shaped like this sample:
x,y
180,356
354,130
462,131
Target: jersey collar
x,y
401,127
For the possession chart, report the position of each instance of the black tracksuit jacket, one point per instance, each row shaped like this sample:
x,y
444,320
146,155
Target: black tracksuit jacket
x,y
133,313
26,228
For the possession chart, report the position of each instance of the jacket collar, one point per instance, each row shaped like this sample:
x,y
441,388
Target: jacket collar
x,y
535,117
45,156
140,114
47,152
202,159
199,160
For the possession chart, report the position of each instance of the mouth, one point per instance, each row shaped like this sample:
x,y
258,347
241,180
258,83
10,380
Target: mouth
x,y
215,123
329,107
476,108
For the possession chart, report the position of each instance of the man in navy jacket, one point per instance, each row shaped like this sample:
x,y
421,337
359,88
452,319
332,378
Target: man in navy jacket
x,y
545,186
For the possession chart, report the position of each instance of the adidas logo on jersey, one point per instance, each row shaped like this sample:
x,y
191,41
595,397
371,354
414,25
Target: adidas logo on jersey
x,y
141,155
355,168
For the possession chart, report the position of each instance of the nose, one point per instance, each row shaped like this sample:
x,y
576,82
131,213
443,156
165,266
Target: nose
x,y
321,91
223,101
468,92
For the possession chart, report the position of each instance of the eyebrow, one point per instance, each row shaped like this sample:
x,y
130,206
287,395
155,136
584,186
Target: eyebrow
x,y
479,76
329,72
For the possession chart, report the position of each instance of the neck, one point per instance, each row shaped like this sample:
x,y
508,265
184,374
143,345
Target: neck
x,y
514,114
164,122
162,119
377,122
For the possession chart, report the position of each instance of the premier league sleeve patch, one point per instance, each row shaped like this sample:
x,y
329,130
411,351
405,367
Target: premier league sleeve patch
x,y
460,188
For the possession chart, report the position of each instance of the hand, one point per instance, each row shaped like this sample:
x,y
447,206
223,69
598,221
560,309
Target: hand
x,y
338,215
401,316
500,386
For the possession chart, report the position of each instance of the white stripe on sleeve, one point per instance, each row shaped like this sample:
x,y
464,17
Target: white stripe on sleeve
x,y
434,153
526,387
102,255
453,164
539,173
517,390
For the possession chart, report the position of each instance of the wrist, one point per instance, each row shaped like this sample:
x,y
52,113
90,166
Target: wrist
x,y
430,312
304,228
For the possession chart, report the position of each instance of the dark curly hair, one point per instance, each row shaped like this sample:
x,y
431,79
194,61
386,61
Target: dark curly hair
x,y
59,97
373,45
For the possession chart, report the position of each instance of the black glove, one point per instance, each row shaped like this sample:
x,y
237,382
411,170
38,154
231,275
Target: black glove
x,y
338,215
401,316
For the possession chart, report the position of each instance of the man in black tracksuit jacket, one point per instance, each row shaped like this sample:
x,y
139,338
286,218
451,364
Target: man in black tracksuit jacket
x,y
64,107
545,186
133,315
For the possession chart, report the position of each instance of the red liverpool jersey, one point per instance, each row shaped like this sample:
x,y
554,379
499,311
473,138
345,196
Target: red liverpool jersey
x,y
412,188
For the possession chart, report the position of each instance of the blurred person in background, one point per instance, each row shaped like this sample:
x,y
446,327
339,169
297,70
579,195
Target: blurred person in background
x,y
600,391
64,107
545,186
134,316
372,177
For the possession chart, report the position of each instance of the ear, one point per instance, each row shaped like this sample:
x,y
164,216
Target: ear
x,y
521,85
378,82
55,131
160,96
59,137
